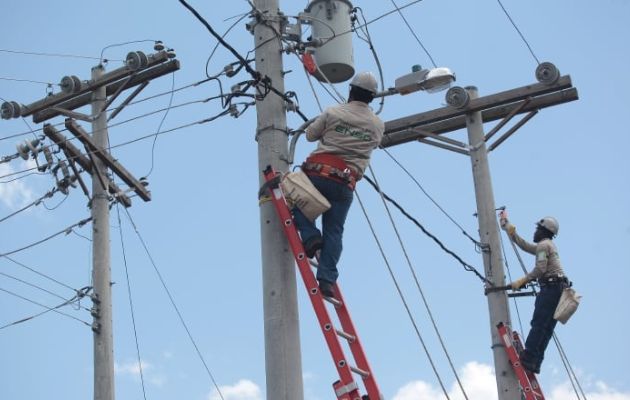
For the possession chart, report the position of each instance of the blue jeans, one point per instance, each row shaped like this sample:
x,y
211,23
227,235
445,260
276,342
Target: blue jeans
x,y
340,197
543,323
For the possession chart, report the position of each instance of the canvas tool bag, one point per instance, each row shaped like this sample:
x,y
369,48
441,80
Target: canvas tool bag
x,y
568,304
299,190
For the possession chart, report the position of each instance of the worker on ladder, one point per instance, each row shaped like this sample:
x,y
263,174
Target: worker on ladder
x,y
347,134
552,280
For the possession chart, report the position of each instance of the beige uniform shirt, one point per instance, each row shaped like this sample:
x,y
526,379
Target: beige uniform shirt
x,y
547,259
350,131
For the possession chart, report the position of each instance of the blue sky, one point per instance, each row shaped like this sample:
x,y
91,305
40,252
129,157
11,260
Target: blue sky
x,y
202,226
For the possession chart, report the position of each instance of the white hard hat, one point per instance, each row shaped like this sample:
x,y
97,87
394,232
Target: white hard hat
x,y
549,223
365,80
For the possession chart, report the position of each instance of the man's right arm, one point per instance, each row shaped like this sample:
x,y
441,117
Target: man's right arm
x,y
508,227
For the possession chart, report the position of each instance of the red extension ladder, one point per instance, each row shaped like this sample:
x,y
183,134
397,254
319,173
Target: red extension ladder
x,y
513,346
346,388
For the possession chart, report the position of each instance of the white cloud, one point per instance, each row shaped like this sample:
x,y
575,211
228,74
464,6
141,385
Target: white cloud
x,y
13,194
601,392
242,390
479,383
132,368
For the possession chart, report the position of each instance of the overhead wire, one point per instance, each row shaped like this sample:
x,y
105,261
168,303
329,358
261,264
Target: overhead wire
x,y
411,3
172,300
414,33
123,44
65,197
257,76
466,266
131,308
507,14
418,286
66,231
376,59
49,194
48,309
216,46
39,288
413,178
39,273
32,53
168,109
25,81
402,296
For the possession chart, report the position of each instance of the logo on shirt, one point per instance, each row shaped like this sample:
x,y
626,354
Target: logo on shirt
x,y
348,131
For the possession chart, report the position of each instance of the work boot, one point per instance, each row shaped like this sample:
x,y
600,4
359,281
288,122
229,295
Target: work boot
x,y
528,364
312,245
326,288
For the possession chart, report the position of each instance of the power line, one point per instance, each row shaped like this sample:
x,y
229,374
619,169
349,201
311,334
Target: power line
x,y
416,280
32,285
100,59
265,81
376,59
402,297
476,242
414,33
466,266
26,81
507,14
39,273
383,16
172,300
50,193
32,53
80,294
66,231
133,316
168,109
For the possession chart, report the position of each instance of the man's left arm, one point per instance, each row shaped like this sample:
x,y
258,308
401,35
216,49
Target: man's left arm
x,y
315,130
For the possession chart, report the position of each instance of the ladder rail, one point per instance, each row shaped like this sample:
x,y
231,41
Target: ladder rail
x,y
348,389
512,343
356,348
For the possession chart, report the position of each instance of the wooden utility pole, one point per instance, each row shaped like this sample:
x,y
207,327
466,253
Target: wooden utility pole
x,y
139,69
466,110
283,360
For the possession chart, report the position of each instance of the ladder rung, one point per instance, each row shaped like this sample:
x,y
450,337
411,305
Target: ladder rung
x,y
359,371
332,301
347,336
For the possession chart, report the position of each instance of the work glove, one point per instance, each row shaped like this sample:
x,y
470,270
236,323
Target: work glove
x,y
503,218
505,224
519,283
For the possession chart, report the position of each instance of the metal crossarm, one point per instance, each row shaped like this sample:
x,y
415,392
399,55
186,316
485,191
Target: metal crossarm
x,y
345,388
513,346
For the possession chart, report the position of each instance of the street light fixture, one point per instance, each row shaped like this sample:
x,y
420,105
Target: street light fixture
x,y
430,80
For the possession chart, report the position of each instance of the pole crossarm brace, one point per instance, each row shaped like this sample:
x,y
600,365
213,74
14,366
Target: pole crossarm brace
x,y
492,107
114,165
71,102
74,154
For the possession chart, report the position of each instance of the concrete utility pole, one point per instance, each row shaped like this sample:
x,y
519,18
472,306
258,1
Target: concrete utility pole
x,y
101,269
139,69
283,360
507,383
467,110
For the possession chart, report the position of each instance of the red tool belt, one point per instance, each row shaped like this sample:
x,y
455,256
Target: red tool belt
x,y
331,167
